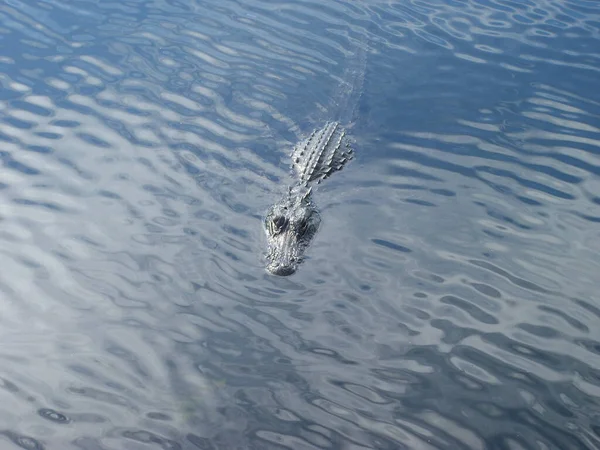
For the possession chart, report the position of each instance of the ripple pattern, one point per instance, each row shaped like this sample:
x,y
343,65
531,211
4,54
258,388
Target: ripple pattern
x,y
450,300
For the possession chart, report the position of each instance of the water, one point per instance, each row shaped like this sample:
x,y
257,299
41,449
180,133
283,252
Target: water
x,y
450,299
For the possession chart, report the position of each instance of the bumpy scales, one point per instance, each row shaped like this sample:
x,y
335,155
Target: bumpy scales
x,y
292,222
322,153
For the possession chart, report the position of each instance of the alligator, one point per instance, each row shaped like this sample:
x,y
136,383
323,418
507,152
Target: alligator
x,y
292,222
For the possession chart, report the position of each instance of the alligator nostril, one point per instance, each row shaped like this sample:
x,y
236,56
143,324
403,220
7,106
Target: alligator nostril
x,y
282,270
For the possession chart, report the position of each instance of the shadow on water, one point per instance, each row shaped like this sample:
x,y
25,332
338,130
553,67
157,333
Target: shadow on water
x,y
448,301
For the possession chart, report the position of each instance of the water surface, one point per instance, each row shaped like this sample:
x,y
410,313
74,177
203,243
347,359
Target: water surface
x,y
450,299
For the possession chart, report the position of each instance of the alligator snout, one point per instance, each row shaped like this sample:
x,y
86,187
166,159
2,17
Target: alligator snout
x,y
281,270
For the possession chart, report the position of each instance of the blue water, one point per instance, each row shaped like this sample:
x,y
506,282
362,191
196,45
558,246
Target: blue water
x,y
449,301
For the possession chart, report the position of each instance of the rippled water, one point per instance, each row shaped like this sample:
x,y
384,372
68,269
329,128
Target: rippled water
x,y
450,299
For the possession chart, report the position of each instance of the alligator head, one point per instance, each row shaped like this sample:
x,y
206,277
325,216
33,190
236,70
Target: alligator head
x,y
290,226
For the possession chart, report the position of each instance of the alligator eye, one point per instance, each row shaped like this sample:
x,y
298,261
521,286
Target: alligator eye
x,y
303,228
279,223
